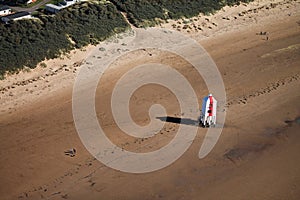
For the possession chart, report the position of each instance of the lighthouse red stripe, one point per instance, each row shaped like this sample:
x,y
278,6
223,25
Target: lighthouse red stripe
x,y
210,106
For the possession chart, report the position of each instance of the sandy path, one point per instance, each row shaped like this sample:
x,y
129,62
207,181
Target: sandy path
x,y
30,9
255,158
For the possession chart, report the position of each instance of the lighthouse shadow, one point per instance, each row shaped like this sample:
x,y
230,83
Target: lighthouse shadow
x,y
178,120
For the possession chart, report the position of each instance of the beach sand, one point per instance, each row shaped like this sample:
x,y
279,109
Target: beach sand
x,y
255,157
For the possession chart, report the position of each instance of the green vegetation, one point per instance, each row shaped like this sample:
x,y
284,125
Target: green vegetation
x,y
55,2
9,2
14,2
146,12
28,42
43,65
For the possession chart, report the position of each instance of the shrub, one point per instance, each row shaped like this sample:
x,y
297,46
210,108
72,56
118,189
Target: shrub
x,y
28,42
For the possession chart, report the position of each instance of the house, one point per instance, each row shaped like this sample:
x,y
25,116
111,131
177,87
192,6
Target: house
x,y
67,3
16,16
53,8
30,1
5,10
56,8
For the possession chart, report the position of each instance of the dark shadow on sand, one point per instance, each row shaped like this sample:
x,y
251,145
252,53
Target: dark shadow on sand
x,y
178,120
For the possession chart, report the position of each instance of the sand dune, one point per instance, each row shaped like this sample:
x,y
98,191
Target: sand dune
x,y
255,158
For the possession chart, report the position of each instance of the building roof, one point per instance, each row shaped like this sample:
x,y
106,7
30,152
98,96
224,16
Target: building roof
x,y
54,6
4,8
16,15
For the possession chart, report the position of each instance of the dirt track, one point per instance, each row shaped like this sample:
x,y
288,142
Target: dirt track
x,y
30,9
255,158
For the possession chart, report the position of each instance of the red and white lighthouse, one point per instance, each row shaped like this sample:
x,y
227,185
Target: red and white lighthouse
x,y
209,111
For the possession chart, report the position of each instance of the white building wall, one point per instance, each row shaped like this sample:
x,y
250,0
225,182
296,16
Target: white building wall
x,y
24,17
5,12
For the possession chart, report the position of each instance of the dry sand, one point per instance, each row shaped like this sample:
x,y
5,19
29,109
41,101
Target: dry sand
x,y
255,158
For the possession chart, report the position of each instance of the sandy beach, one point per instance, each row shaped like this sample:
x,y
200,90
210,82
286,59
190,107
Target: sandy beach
x,y
256,49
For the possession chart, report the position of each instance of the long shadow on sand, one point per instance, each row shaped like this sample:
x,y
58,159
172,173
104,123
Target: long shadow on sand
x,y
178,120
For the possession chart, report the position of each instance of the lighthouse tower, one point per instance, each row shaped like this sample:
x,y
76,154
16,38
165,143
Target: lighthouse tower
x,y
208,112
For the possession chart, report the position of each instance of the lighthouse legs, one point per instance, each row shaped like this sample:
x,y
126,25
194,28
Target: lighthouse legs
x,y
208,121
